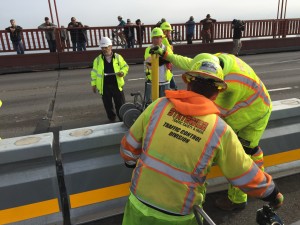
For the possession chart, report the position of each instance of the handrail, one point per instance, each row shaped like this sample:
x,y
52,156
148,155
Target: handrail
x,y
34,39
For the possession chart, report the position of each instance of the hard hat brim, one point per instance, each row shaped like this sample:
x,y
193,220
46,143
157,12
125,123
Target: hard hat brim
x,y
221,83
0,103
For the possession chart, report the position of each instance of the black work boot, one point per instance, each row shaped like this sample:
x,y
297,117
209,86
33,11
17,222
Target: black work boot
x,y
225,204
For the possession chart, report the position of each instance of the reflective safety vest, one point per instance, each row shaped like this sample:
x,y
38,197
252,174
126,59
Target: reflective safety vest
x,y
246,99
174,153
97,73
165,74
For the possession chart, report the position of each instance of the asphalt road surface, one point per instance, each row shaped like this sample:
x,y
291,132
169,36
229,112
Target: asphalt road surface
x,y
39,101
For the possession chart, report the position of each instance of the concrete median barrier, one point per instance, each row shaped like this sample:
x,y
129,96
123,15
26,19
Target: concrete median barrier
x,y
28,183
95,180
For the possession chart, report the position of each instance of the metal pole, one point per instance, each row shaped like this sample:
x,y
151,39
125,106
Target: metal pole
x,y
285,8
278,8
50,11
56,14
281,9
155,76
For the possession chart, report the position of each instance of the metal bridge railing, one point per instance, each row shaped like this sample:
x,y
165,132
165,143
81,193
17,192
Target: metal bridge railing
x,y
34,39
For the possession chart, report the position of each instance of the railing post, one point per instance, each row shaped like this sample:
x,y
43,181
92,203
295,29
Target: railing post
x,y
58,40
274,28
285,28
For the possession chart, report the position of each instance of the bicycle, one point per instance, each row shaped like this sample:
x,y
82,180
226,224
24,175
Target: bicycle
x,y
129,112
176,37
118,39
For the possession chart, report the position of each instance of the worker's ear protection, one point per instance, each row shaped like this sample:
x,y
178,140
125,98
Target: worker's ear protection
x,y
188,78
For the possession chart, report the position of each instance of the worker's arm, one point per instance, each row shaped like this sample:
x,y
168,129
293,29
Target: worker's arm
x,y
123,66
242,172
94,75
179,61
132,143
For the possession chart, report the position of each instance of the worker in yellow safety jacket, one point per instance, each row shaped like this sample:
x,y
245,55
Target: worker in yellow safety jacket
x,y
172,146
167,41
107,78
165,73
246,106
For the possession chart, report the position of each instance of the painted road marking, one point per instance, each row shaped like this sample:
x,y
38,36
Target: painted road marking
x,y
280,89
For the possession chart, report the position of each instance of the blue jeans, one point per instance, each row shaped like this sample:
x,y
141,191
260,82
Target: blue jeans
x,y
173,84
18,46
52,45
74,45
81,46
130,42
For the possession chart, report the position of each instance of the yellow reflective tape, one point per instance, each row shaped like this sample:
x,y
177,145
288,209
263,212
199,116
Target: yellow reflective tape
x,y
122,190
109,193
29,211
99,195
269,160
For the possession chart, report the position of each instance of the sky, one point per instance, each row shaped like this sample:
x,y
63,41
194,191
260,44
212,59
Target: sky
x,y
30,13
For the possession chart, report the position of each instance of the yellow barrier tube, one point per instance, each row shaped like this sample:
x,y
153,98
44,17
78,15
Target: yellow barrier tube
x,y
155,76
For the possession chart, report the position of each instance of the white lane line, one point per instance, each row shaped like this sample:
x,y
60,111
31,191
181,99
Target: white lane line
x,y
271,63
277,70
136,79
280,89
142,78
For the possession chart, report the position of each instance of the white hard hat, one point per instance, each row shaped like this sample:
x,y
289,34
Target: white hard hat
x,y
105,42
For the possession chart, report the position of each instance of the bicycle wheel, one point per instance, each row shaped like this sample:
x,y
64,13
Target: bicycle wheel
x,y
121,40
125,107
131,116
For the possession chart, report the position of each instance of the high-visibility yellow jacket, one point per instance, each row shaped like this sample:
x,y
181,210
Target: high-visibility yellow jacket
x,y
97,73
166,42
165,74
175,141
246,99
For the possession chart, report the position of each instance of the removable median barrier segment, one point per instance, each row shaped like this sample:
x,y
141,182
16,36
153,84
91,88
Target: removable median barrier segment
x,y
96,179
29,192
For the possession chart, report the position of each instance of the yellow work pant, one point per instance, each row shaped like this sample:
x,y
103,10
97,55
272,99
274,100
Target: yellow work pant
x,y
252,134
235,194
137,213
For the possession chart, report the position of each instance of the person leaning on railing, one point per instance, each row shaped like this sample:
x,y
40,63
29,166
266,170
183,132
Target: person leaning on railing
x,y
15,32
207,29
50,33
78,36
129,33
190,30
140,30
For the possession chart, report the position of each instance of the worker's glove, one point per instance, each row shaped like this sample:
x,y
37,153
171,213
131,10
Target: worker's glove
x,y
277,202
132,166
157,50
120,74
